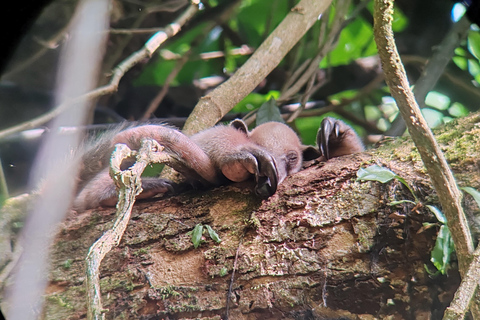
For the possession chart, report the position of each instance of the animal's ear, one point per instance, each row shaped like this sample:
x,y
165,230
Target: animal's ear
x,y
310,153
239,125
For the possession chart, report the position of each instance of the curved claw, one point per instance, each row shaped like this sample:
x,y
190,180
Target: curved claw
x,y
335,138
266,176
329,130
253,160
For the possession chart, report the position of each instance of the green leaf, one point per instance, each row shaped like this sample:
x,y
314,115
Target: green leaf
x,y
458,110
438,214
375,173
474,193
383,175
406,185
268,112
213,234
443,249
474,43
434,118
197,235
437,100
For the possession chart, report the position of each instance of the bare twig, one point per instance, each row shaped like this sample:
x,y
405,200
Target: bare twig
x,y
129,185
135,31
232,279
327,46
242,51
303,101
471,280
432,157
146,52
217,103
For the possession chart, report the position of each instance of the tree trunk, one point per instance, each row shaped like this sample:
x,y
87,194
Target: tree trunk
x,y
324,246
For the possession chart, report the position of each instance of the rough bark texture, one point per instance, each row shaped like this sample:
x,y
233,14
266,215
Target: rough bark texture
x,y
324,246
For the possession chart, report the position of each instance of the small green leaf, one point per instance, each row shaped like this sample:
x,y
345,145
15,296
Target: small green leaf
x,y
474,43
406,185
383,175
268,112
213,234
375,173
223,272
67,263
443,249
474,193
197,235
440,216
394,203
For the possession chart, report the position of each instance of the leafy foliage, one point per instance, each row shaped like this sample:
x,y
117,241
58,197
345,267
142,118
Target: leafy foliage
x,y
444,247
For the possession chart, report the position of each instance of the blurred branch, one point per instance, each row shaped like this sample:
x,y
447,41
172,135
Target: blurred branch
x,y
54,169
430,152
146,52
46,45
3,184
330,43
242,51
408,59
217,103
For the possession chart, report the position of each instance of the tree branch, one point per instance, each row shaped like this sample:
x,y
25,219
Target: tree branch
x,y
212,107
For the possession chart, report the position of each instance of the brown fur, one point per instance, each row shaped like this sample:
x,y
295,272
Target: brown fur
x,y
270,153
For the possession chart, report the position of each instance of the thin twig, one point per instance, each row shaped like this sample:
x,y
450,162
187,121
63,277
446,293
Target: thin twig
x,y
230,286
47,45
430,152
342,7
146,52
471,280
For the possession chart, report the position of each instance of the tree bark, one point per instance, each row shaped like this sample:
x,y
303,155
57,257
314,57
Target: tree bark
x,y
324,246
